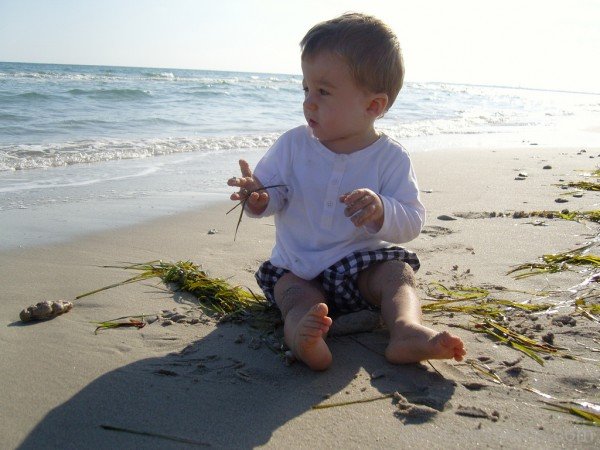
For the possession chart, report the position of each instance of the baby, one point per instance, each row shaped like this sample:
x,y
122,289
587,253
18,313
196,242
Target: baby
x,y
344,195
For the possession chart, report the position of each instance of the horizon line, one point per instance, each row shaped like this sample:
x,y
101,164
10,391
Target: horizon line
x,y
454,83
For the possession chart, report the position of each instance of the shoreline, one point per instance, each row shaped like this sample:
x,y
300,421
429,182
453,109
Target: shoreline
x,y
113,195
205,383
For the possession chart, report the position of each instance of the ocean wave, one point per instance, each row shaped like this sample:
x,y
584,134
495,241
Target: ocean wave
x,y
25,156
117,94
27,96
7,117
159,75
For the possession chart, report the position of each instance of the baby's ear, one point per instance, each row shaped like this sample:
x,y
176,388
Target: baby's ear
x,y
378,105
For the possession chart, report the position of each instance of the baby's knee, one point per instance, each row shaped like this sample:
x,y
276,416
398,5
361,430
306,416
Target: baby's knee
x,y
397,272
291,291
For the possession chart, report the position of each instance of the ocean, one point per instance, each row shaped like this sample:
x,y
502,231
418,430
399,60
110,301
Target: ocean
x,y
85,148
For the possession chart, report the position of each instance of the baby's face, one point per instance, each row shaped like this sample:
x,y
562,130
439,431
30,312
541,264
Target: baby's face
x,y
335,108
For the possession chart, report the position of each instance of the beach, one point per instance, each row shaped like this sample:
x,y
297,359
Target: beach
x,y
185,384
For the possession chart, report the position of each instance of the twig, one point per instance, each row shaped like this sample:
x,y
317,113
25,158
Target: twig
x,y
158,435
243,204
352,402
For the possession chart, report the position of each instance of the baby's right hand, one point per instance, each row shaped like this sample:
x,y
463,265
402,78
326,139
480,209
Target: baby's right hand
x,y
249,188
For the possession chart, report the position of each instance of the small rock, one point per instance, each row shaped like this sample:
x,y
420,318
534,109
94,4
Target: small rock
x,y
165,372
578,194
561,200
377,374
471,411
564,320
514,371
178,317
446,217
151,319
512,363
523,174
520,178
474,385
356,322
212,231
548,338
547,167
428,191
167,322
240,339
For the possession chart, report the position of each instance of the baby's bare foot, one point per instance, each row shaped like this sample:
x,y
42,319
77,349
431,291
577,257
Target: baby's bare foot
x,y
309,345
415,342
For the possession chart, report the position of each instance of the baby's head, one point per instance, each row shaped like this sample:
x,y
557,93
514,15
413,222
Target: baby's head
x,y
367,45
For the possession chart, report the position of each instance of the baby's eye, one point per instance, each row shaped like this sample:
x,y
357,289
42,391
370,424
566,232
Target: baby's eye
x,y
323,92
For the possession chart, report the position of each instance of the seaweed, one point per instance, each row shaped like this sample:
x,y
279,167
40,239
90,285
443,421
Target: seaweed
x,y
243,202
558,262
215,295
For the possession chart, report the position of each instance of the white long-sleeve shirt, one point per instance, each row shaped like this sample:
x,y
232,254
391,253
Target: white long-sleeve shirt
x,y
312,232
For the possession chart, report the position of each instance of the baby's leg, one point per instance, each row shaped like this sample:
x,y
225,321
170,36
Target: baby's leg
x,y
391,285
305,319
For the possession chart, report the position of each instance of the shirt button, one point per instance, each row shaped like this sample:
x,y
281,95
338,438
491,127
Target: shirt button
x,y
329,204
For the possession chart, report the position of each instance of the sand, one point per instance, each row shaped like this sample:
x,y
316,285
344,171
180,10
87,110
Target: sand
x,y
212,385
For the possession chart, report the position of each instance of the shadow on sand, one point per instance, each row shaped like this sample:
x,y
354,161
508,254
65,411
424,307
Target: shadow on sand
x,y
223,394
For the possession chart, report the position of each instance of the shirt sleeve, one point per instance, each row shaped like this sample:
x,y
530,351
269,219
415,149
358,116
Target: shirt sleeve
x,y
404,214
270,171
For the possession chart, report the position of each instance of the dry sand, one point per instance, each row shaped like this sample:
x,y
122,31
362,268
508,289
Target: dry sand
x,y
202,383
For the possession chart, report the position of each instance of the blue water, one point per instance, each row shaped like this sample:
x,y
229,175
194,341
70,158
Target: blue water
x,y
103,137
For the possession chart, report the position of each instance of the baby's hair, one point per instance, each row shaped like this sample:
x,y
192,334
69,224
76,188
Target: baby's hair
x,y
369,47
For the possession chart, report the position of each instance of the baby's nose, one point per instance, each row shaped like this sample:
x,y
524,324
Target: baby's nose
x,y
309,105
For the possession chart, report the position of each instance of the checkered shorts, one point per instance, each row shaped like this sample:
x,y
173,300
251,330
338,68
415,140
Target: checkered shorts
x,y
340,280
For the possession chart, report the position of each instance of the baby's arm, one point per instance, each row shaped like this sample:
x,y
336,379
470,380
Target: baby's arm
x,y
395,212
249,188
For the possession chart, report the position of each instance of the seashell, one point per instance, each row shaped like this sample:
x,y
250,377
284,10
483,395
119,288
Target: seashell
x,y
45,310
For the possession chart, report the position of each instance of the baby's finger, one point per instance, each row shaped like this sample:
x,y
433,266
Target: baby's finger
x,y
245,168
357,205
351,197
364,215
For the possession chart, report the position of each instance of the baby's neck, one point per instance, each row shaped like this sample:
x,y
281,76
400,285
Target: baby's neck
x,y
352,144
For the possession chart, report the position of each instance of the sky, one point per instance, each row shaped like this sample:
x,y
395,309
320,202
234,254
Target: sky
x,y
548,44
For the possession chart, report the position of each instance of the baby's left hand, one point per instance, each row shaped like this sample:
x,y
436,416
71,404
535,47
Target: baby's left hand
x,y
363,206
